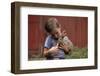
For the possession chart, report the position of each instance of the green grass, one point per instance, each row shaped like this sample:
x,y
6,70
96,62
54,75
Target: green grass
x,y
78,53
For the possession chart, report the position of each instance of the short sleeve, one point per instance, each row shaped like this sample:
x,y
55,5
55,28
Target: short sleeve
x,y
47,43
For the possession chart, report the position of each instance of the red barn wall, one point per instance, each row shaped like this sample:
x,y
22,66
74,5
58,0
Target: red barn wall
x,y
76,28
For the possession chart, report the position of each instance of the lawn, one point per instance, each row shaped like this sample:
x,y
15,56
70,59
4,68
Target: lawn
x,y
77,53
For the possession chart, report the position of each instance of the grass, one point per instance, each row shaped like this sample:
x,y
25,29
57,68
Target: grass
x,y
77,53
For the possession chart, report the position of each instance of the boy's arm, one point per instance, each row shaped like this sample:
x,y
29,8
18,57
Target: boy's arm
x,y
49,52
48,49
46,52
64,47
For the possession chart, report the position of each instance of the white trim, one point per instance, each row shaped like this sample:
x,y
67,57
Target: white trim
x,y
25,64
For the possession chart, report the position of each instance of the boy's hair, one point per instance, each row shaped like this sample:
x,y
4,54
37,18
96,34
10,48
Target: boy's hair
x,y
51,24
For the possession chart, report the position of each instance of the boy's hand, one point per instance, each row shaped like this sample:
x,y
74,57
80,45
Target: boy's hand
x,y
64,46
54,50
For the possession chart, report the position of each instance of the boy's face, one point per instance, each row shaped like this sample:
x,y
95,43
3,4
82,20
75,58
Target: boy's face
x,y
56,33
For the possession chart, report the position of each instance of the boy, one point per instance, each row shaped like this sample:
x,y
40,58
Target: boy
x,y
56,44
